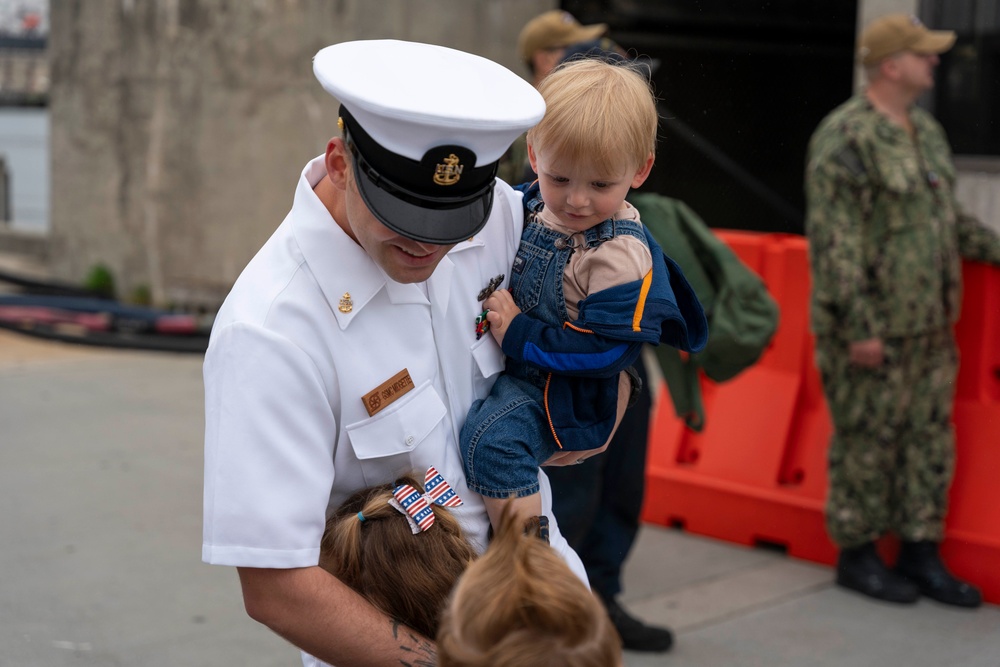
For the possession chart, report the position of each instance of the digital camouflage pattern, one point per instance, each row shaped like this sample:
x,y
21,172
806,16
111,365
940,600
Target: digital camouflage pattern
x,y
892,454
885,232
886,238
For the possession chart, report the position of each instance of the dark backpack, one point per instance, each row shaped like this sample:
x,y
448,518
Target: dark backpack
x,y
742,315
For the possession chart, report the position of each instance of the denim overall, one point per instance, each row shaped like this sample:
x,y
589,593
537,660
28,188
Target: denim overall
x,y
506,436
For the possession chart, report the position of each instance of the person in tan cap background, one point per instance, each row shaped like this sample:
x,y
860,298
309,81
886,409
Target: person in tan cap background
x,y
542,44
886,238
543,40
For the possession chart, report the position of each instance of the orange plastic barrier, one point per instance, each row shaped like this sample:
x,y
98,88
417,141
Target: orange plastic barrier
x,y
972,546
749,477
977,333
757,473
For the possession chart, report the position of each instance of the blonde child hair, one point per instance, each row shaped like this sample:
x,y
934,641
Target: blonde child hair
x,y
597,113
407,576
520,605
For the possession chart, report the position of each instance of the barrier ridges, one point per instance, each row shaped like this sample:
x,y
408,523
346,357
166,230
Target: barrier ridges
x,y
756,475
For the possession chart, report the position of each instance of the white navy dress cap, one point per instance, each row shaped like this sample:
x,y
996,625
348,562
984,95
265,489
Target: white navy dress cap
x,y
426,126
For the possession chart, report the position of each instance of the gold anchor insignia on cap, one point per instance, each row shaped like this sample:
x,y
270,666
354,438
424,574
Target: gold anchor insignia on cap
x,y
346,305
449,172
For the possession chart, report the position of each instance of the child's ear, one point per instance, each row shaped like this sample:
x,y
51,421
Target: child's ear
x,y
531,158
643,172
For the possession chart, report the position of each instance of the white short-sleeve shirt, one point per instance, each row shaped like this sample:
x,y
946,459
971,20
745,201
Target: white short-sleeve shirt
x,y
287,436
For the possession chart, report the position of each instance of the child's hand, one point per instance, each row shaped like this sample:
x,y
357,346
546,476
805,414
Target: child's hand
x,y
502,310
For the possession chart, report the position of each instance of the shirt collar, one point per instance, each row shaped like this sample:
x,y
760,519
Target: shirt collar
x,y
345,273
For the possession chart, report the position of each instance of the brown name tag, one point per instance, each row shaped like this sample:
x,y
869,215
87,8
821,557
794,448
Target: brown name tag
x,y
387,392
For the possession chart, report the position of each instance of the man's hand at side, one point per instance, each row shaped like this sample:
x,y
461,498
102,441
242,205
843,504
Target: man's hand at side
x,y
868,353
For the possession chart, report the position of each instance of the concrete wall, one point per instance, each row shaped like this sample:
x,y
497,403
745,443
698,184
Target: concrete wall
x,y
179,127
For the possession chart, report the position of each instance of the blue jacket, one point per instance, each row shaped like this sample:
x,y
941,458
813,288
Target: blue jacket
x,y
584,357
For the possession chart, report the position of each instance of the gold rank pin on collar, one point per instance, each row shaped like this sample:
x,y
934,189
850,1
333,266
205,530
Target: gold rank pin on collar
x,y
346,305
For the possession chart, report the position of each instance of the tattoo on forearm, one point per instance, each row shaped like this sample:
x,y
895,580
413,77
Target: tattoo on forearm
x,y
424,652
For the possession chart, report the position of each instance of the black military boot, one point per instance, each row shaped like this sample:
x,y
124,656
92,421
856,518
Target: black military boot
x,y
636,635
920,563
861,569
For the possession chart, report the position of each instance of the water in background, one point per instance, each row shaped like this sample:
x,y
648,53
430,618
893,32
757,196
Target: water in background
x,y
24,147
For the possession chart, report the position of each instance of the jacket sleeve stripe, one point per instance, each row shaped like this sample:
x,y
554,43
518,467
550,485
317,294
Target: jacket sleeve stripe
x,y
640,305
570,361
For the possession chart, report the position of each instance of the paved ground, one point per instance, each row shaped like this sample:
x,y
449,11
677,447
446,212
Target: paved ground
x,y
100,485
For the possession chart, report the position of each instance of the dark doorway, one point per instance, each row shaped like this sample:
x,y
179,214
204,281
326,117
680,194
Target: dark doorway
x,y
742,86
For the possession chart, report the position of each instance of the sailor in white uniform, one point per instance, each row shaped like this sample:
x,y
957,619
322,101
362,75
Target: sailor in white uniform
x,y
346,353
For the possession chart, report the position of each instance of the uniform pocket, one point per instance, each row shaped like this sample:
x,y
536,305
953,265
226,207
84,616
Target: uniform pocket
x,y
383,444
489,362
902,178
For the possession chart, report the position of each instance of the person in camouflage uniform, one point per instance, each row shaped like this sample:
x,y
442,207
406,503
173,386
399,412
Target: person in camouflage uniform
x,y
886,239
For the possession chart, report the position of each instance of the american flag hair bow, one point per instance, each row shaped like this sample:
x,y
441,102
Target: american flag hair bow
x,y
417,506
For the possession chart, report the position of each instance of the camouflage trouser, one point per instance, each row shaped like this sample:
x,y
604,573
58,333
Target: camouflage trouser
x,y
892,453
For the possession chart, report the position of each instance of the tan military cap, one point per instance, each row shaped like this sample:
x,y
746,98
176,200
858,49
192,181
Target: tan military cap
x,y
554,29
901,32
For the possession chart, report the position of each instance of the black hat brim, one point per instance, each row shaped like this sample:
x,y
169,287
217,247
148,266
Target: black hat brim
x,y
440,226
427,220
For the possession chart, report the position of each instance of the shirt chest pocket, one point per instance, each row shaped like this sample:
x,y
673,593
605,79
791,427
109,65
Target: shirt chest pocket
x,y
488,363
904,192
383,444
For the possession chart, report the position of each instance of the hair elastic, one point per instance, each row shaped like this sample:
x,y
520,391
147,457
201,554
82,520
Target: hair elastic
x,y
361,517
